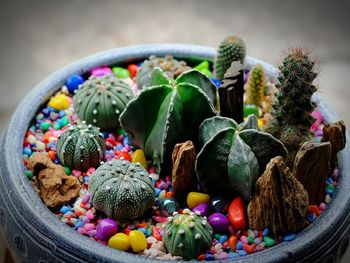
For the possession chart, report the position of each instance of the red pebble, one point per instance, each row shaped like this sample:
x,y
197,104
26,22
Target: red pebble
x,y
201,257
127,231
335,183
124,156
314,209
236,214
133,69
82,205
156,234
169,194
111,141
25,162
248,248
232,241
25,143
78,213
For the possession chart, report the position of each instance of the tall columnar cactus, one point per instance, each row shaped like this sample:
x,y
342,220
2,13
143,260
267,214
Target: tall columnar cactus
x,y
121,190
168,112
292,107
234,156
81,146
255,86
231,48
171,67
187,235
100,101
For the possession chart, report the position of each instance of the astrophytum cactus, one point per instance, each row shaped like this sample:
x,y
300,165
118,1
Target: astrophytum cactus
x,y
234,156
121,190
168,112
187,235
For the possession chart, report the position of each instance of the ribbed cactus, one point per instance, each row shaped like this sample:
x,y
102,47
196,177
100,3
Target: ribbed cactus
x,y
121,190
255,86
168,112
187,235
234,156
171,67
292,107
81,146
231,48
100,100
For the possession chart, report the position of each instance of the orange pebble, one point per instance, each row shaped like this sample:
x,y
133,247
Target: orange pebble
x,y
169,194
232,241
52,155
127,231
314,209
143,225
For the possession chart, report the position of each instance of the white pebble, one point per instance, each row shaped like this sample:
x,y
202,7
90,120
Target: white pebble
x,y
40,145
328,199
162,194
154,176
31,139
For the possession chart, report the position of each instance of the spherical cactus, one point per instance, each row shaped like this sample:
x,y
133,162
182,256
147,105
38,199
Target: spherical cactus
x,y
187,235
231,48
255,86
81,146
121,190
100,100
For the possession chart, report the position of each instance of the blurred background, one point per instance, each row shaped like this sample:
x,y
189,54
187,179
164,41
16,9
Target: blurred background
x,y
40,36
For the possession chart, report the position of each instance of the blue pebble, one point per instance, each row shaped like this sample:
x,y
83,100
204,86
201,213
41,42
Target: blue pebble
x,y
79,224
311,217
143,230
46,111
57,161
329,180
52,145
209,257
27,151
242,253
126,140
239,245
73,82
329,192
65,209
289,237
157,191
266,232
216,82
86,179
223,239
62,113
233,255
119,147
105,134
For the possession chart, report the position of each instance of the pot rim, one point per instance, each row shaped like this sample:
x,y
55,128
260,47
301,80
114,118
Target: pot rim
x,y
48,230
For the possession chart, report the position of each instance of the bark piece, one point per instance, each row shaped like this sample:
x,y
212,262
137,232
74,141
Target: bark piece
x,y
55,187
280,201
335,134
312,167
183,175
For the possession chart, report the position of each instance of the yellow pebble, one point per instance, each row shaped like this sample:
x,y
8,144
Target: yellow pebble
x,y
261,123
139,157
119,241
195,198
59,102
138,241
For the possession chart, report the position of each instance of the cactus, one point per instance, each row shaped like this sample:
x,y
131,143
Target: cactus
x,y
121,190
255,86
81,146
234,156
168,112
171,67
232,48
100,100
292,106
187,235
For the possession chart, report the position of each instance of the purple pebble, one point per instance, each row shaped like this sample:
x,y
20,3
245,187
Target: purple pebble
x,y
163,185
202,209
219,222
106,228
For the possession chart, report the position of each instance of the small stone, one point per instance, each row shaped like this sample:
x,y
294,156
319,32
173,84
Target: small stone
x,y
289,237
137,241
219,204
168,206
59,102
139,157
249,109
73,82
121,73
29,174
120,241
219,222
40,145
236,214
45,126
195,198
201,209
106,228
269,242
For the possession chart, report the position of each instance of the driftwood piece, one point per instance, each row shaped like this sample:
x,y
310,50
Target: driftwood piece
x,y
231,93
312,167
183,174
335,134
55,187
280,201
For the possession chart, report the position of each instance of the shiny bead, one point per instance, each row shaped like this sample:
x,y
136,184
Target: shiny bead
x,y
195,198
106,228
73,82
59,102
120,241
137,241
168,206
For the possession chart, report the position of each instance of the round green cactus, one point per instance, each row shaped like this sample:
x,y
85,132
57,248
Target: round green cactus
x,y
255,86
187,235
121,190
100,101
234,156
81,146
231,48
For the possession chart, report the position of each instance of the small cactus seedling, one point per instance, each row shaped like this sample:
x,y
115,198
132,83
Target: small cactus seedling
x,y
255,86
100,101
187,235
231,48
121,190
234,156
292,107
81,146
168,112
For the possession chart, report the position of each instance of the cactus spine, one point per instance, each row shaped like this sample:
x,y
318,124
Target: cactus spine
x,y
256,85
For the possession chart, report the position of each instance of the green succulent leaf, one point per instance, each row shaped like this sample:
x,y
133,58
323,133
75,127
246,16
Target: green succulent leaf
x,y
158,78
250,123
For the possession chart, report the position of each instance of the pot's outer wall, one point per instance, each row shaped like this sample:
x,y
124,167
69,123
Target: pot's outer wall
x,y
36,235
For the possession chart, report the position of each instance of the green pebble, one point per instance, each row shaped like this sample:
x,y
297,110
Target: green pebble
x,y
68,171
330,187
29,174
202,66
45,126
269,242
121,73
148,232
251,240
64,121
56,126
217,236
250,109
121,131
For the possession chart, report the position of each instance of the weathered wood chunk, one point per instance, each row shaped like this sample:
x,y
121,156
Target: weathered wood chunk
x,y
280,201
183,174
312,167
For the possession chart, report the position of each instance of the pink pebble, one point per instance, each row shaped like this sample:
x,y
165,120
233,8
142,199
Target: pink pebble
x,y
82,230
322,206
76,173
90,215
86,198
120,138
91,233
160,219
101,71
244,239
89,226
230,228
91,170
86,219
152,170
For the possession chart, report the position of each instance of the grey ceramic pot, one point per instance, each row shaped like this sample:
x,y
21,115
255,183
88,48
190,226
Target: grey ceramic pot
x,y
34,234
